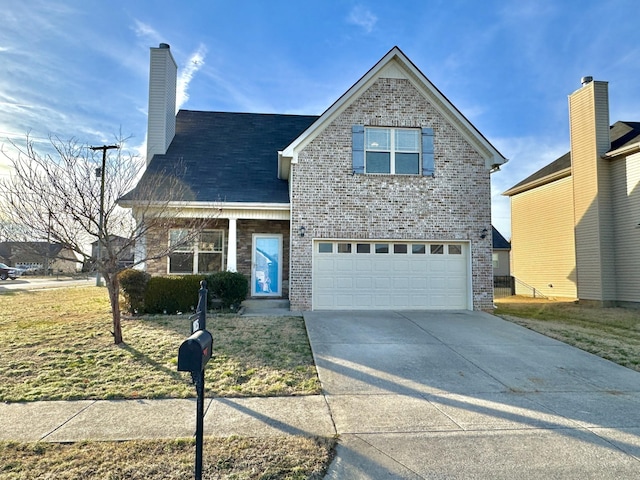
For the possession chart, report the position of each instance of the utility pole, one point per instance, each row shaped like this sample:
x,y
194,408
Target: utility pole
x,y
104,149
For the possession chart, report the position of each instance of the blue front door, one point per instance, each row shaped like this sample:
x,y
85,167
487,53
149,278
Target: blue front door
x,y
266,271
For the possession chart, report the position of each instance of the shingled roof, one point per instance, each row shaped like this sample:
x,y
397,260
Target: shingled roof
x,y
227,157
622,134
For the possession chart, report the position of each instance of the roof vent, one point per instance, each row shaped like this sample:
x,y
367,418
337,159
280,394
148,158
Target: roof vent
x,y
585,80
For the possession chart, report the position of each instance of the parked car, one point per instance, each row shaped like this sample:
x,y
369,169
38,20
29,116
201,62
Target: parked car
x,y
9,272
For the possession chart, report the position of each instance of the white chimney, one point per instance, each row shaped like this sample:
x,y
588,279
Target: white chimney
x,y
161,126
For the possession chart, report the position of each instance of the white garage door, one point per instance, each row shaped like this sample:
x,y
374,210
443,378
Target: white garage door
x,y
357,275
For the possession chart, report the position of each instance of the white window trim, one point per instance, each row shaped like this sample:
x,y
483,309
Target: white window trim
x,y
194,249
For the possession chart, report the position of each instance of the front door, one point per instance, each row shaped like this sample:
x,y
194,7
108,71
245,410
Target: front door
x,y
266,265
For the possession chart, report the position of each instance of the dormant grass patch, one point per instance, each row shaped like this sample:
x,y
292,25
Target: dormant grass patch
x,y
611,333
293,458
57,345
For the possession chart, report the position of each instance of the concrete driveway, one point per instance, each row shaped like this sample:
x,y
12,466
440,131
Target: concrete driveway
x,y
467,395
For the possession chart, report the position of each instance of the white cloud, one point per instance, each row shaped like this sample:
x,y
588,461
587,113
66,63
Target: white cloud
x,y
362,17
194,63
146,31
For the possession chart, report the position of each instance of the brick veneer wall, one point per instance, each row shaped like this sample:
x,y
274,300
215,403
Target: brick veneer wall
x,y
245,230
331,202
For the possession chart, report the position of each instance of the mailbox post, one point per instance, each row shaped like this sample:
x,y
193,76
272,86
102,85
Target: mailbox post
x,y
193,355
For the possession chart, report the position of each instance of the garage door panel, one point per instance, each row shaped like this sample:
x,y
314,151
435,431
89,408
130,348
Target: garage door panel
x,y
383,265
363,283
344,265
435,279
344,282
400,283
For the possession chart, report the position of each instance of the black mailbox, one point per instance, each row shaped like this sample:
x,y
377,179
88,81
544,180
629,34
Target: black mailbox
x,y
195,352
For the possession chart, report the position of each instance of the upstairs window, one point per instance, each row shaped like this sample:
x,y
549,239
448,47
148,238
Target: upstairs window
x,y
394,151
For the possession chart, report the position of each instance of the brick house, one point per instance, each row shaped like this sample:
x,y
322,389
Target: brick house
x,y
381,202
576,222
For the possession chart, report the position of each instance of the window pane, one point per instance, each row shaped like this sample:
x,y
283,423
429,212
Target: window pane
x,y
363,248
437,249
325,248
181,263
455,249
382,248
344,248
177,240
210,242
400,248
378,162
378,139
407,163
496,260
418,249
209,262
407,141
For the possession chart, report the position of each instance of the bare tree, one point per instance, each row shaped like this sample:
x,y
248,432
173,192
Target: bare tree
x,y
55,193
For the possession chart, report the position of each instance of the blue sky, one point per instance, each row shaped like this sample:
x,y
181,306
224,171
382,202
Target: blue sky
x,y
80,68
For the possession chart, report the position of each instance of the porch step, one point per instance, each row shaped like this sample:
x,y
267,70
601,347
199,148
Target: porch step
x,y
265,304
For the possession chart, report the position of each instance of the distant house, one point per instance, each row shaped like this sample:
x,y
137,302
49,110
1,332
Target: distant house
x,y
381,202
35,256
501,254
120,245
576,222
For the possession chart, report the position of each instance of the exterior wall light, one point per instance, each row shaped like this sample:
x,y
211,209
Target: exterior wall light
x,y
484,233
302,230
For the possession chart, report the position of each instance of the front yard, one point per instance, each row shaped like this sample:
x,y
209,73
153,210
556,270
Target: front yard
x,y
57,345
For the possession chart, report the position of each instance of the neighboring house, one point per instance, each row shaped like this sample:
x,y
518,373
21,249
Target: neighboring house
x,y
379,203
35,256
120,245
576,222
501,254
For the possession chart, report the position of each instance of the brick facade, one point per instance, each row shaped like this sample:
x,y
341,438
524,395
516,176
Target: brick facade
x,y
244,230
331,202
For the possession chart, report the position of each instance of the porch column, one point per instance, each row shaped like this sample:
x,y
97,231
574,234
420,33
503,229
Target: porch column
x,y
232,248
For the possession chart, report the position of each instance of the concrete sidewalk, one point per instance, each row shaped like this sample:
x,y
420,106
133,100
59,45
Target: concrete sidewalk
x,y
74,421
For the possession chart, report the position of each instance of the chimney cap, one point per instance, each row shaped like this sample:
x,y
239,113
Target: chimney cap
x,y
585,80
164,45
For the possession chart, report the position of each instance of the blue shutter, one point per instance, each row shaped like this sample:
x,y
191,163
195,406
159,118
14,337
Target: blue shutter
x,y
357,140
428,164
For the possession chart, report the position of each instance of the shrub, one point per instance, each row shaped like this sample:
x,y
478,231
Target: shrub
x,y
230,287
134,283
172,294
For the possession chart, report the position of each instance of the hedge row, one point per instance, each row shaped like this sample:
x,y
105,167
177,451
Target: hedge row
x,y
146,294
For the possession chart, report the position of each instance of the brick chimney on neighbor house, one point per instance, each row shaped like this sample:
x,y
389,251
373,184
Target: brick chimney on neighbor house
x,y
161,126
589,133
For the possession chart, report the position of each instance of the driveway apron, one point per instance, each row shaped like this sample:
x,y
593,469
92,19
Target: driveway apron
x,y
462,394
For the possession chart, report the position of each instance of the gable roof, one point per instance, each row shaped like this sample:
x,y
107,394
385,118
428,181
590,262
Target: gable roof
x,y
226,157
624,136
499,242
396,63
28,251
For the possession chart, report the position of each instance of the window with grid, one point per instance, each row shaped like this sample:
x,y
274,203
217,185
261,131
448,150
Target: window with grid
x,y
203,254
394,151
